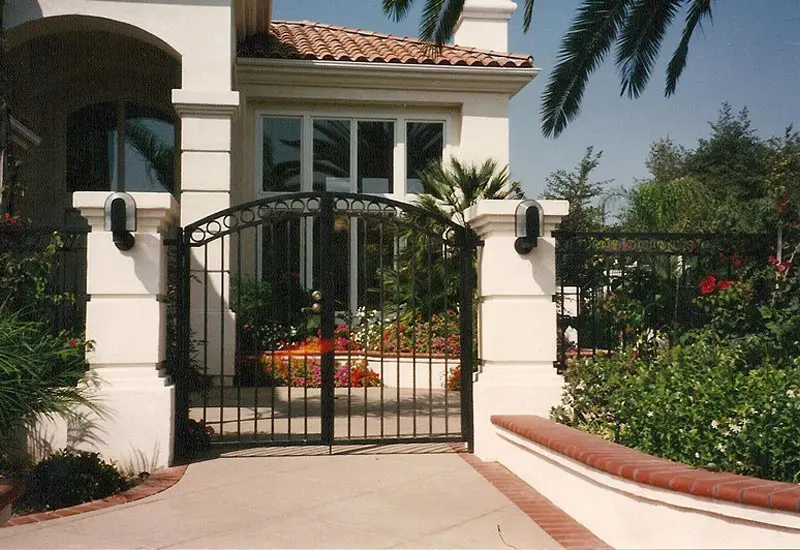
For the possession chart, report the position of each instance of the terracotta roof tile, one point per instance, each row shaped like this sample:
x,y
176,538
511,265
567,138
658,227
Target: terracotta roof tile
x,y
321,42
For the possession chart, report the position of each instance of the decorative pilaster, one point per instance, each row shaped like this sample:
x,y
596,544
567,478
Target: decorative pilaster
x,y
517,335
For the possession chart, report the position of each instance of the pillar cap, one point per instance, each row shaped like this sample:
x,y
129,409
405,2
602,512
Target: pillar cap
x,y
154,211
498,216
205,103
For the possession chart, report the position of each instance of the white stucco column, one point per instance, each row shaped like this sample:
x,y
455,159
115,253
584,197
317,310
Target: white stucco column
x,y
517,328
126,320
206,130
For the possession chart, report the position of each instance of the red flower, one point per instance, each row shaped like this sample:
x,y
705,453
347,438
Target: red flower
x,y
708,284
72,342
724,285
783,267
773,260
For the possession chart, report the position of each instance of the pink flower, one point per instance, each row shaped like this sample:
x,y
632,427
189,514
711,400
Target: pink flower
x,y
724,285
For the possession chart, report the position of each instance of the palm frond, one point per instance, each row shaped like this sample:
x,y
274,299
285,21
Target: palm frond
x,y
397,9
698,10
585,45
439,20
640,42
527,16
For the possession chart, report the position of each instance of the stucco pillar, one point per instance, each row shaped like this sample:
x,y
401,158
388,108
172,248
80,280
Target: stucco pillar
x,y
206,129
126,320
517,327
484,24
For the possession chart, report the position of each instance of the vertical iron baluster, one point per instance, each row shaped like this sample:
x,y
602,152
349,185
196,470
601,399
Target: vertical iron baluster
x,y
381,305
222,307
207,390
430,337
445,271
237,234
413,241
362,269
467,252
289,279
273,368
396,255
328,317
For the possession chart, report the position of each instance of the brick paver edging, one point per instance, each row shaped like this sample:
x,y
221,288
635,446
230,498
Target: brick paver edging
x,y
561,527
642,468
158,481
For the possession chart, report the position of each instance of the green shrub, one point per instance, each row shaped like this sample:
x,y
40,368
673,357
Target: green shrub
x,y
70,477
701,404
39,372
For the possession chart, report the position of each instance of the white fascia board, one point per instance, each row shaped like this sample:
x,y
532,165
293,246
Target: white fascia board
x,y
384,76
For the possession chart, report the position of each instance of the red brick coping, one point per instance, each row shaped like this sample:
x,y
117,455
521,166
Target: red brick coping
x,y
158,481
642,468
561,527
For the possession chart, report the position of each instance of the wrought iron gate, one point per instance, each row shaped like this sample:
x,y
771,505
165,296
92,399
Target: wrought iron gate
x,y
320,318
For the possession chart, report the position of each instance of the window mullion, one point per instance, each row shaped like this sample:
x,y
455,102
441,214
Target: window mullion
x,y
400,158
121,146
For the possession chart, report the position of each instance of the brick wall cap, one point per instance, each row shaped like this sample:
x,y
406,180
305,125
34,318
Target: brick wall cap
x,y
639,467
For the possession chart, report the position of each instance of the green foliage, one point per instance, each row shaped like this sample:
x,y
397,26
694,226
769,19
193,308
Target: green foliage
x,y
732,181
40,373
426,279
587,199
262,314
700,404
726,396
67,478
26,271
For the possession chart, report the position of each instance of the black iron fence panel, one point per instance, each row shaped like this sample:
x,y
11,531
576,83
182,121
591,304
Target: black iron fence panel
x,y
44,272
616,289
321,318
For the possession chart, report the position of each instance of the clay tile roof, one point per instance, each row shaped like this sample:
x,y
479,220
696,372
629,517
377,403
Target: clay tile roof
x,y
321,42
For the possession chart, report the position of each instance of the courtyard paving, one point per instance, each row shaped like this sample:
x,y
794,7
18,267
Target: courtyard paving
x,y
355,498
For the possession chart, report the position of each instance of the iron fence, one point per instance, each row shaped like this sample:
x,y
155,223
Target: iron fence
x,y
65,280
616,289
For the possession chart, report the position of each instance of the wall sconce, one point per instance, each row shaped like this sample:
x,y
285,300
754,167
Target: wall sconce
x,y
529,226
120,219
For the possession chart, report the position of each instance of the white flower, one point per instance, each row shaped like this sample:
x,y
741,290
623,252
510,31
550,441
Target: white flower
x,y
714,424
736,428
649,414
790,393
721,447
697,455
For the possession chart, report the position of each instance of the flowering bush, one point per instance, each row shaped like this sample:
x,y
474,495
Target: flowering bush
x,y
723,396
439,335
453,382
198,436
299,372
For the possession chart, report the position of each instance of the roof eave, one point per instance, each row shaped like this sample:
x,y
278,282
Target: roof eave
x,y
351,74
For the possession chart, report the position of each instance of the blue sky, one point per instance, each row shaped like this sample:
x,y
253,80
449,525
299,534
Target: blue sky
x,y
749,56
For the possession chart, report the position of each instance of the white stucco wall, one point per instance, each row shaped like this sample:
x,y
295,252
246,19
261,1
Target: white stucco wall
x,y
199,31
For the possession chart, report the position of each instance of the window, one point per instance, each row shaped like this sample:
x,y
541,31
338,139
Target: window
x,y
281,154
424,145
120,147
336,153
347,155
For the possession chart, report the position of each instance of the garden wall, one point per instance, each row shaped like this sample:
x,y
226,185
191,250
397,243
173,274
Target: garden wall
x,y
634,500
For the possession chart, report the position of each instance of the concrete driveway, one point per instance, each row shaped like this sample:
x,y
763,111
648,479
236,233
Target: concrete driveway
x,y
433,500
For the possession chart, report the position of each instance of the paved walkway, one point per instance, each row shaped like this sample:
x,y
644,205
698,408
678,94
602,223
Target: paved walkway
x,y
340,501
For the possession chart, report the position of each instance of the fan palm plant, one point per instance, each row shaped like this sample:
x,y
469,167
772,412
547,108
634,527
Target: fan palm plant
x,y
637,27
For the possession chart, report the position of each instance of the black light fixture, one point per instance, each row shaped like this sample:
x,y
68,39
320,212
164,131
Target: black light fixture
x,y
529,222
120,219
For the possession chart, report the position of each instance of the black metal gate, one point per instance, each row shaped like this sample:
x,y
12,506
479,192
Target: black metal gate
x,y
322,318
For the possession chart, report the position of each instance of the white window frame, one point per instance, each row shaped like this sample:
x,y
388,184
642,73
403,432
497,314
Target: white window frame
x,y
307,118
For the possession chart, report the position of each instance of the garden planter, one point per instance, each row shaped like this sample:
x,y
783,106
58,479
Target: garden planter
x,y
406,371
9,492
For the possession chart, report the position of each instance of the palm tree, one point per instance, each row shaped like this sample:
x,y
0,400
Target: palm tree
x,y
637,27
450,191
